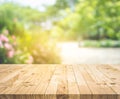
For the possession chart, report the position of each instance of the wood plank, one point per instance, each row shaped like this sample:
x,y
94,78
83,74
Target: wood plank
x,y
8,76
21,89
52,87
62,90
4,68
24,74
117,66
59,81
6,71
102,81
46,77
111,73
73,90
85,92
99,92
29,83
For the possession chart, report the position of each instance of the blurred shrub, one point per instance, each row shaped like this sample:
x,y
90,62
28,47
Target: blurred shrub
x,y
9,49
91,19
100,43
19,44
41,46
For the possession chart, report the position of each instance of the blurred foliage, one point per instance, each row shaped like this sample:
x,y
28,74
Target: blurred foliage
x,y
28,35
98,19
22,40
8,19
100,43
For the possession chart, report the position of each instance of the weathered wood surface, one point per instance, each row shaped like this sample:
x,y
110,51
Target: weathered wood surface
x,y
59,81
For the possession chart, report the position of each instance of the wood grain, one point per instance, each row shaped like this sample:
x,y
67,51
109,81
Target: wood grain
x,y
59,81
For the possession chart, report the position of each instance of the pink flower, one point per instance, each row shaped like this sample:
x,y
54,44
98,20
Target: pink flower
x,y
8,46
10,53
13,37
30,60
3,38
1,45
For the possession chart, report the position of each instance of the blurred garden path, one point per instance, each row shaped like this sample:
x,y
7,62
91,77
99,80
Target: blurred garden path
x,y
72,54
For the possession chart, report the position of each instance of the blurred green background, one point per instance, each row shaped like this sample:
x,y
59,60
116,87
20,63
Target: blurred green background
x,y
29,32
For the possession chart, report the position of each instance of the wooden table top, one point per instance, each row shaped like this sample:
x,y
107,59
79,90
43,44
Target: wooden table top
x,y
59,81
